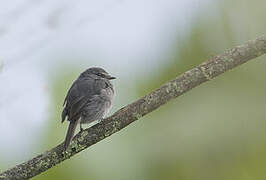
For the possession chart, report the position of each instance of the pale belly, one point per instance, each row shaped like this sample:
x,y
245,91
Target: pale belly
x,y
99,108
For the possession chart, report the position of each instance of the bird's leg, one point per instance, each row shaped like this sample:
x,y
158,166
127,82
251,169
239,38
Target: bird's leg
x,y
80,127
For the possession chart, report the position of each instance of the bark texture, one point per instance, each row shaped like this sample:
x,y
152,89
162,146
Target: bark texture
x,y
132,112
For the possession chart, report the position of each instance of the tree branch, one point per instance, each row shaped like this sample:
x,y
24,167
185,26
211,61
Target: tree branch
x,y
132,112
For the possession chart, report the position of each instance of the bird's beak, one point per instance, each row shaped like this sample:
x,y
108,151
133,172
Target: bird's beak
x,y
110,77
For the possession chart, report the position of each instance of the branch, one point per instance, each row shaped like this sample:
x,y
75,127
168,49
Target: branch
x,y
132,112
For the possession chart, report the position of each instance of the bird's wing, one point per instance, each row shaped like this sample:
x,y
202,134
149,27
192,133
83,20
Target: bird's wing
x,y
76,107
81,93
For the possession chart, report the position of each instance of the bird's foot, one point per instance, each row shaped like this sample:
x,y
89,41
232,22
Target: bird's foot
x,y
100,120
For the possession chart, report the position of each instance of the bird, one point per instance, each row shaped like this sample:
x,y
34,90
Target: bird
x,y
89,99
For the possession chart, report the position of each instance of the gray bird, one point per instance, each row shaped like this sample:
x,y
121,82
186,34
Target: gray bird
x,y
89,99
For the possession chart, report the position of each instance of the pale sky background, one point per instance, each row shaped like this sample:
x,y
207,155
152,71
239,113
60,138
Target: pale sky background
x,y
38,37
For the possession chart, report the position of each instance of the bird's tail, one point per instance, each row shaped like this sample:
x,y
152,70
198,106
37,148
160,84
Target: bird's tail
x,y
70,133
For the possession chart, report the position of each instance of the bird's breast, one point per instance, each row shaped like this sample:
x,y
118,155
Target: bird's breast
x,y
108,95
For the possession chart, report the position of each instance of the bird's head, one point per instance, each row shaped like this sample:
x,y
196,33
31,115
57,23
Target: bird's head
x,y
98,72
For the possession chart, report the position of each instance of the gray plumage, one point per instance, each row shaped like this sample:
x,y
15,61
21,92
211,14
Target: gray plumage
x,y
89,99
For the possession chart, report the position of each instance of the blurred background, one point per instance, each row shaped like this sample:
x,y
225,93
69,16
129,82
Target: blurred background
x,y
215,131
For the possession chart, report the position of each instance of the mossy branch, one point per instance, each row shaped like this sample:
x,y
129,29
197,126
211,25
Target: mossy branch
x,y
132,112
